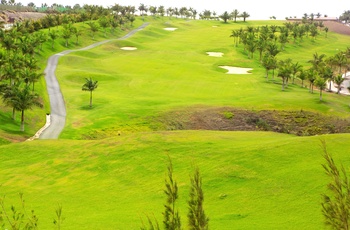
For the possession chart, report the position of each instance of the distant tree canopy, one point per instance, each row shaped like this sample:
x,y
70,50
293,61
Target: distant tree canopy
x,y
345,16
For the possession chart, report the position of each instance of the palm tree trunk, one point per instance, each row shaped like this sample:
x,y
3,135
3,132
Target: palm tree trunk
x,y
90,99
22,121
13,113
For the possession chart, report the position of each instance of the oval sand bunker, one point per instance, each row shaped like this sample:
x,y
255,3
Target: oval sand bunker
x,y
215,54
170,29
236,70
128,48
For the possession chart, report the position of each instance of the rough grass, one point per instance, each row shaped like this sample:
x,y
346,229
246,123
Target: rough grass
x,y
251,179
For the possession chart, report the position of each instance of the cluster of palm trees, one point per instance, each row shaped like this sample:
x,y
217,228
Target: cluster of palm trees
x,y
182,12
234,15
269,41
19,70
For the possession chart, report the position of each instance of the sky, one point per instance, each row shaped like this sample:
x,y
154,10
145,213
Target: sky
x,y
258,9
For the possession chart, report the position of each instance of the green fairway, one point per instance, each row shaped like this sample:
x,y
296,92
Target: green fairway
x,y
108,167
170,70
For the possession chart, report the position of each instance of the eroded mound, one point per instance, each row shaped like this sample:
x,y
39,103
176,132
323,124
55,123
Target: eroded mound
x,y
301,123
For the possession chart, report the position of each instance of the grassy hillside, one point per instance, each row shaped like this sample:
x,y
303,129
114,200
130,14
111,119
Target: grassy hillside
x,y
251,180
170,71
35,118
273,183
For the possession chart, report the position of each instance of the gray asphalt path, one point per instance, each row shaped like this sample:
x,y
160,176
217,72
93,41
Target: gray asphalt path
x,y
57,105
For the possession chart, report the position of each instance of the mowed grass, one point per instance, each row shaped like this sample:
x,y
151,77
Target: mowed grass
x,y
251,180
171,70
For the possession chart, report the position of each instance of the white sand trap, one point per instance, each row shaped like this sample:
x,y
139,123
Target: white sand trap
x,y
128,48
236,70
215,54
215,26
170,29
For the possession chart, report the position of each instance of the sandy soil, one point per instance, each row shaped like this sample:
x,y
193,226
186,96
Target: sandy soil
x,y
128,48
337,27
170,29
215,54
236,70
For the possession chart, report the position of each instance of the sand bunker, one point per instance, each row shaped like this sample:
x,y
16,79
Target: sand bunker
x,y
236,70
170,29
215,54
128,48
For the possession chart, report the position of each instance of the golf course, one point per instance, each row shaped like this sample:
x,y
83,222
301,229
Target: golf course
x,y
161,95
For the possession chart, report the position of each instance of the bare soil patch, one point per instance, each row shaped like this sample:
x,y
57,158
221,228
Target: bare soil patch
x,y
337,27
20,16
301,123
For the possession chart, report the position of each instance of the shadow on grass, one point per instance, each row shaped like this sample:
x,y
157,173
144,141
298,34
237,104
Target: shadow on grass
x,y
87,107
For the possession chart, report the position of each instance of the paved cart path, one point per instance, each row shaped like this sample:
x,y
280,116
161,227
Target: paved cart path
x,y
57,105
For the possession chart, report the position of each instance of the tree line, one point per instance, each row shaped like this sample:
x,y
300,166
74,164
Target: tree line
x,y
269,41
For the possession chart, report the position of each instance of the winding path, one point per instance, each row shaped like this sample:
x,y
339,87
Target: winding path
x,y
57,105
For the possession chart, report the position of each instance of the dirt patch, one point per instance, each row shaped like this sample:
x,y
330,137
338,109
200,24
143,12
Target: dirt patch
x,y
301,123
337,27
20,16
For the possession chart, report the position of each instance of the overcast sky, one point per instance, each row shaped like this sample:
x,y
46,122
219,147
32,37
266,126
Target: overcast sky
x,y
258,9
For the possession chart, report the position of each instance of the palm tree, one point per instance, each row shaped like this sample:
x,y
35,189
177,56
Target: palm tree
x,y
77,32
296,67
302,76
317,61
104,23
272,49
338,80
66,34
53,36
245,15
341,60
260,46
225,16
284,71
268,61
23,99
311,76
93,28
320,82
235,14
29,76
90,85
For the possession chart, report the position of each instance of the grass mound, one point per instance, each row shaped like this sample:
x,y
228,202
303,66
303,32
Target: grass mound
x,y
301,123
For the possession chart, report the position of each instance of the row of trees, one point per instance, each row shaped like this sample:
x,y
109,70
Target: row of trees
x,y
197,218
19,71
269,41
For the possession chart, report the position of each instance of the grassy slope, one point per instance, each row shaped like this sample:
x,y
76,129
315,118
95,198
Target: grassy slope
x,y
35,118
273,183
170,70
